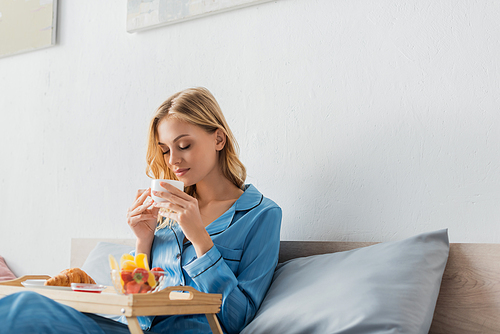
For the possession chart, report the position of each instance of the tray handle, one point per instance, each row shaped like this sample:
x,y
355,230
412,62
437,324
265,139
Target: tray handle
x,y
174,293
17,281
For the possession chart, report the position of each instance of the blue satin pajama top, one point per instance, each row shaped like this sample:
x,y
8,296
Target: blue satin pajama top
x,y
240,266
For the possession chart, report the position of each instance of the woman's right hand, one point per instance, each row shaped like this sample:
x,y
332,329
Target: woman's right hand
x,y
142,219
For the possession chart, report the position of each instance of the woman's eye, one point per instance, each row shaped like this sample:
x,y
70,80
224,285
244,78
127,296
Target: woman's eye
x,y
166,152
185,147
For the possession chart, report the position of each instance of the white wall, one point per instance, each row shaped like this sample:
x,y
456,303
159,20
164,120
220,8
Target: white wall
x,y
363,120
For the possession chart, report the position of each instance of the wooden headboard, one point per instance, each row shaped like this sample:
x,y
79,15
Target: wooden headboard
x,y
469,298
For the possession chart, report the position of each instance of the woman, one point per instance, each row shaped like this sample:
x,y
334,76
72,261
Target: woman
x,y
225,235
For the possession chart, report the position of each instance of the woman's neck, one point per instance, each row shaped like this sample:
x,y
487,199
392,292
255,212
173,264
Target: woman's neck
x,y
218,190
215,198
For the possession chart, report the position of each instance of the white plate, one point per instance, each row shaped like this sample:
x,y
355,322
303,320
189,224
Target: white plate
x,y
34,282
39,284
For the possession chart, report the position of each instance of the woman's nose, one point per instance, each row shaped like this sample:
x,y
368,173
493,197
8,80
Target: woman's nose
x,y
174,158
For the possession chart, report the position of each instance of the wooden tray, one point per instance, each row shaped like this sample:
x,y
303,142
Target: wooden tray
x,y
170,301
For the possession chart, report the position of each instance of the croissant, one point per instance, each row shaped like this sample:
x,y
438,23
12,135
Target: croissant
x,y
68,276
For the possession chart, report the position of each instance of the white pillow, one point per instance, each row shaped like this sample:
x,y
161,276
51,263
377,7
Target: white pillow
x,y
97,263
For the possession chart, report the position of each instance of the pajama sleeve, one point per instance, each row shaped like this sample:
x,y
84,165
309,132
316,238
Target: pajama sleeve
x,y
242,293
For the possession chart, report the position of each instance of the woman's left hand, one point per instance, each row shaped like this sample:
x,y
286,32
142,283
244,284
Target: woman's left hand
x,y
184,209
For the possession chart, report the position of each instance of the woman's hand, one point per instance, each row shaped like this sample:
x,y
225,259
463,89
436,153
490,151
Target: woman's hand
x,y
184,209
142,219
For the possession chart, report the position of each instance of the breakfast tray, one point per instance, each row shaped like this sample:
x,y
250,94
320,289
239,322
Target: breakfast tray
x,y
170,301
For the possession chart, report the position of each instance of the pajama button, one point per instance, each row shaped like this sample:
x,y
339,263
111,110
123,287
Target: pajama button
x,y
178,256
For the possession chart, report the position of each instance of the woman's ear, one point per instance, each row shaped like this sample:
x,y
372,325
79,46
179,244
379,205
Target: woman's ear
x,y
220,139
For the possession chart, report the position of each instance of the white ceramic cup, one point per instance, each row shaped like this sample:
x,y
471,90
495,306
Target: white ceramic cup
x,y
155,186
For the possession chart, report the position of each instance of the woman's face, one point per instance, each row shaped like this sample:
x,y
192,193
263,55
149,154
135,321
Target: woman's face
x,y
189,151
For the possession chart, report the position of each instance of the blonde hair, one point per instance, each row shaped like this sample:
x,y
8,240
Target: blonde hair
x,y
196,106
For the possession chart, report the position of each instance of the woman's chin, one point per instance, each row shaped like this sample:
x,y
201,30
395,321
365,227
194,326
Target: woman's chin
x,y
187,182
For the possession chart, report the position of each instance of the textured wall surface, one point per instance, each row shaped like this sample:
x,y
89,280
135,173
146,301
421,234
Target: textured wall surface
x,y
365,121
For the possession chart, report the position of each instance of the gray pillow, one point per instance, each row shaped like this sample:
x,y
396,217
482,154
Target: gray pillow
x,y
97,263
389,287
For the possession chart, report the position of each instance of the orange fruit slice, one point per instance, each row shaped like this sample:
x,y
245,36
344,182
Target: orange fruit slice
x,y
151,280
113,264
128,265
126,257
141,260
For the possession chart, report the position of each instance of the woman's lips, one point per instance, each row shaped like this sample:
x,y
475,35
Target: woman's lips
x,y
181,171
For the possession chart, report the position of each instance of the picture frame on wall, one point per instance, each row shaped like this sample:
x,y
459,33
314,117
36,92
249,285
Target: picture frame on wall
x,y
27,25
148,14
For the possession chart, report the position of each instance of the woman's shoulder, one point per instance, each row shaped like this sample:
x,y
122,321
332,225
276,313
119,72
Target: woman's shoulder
x,y
253,199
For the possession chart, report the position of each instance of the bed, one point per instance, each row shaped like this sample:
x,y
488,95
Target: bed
x,y
422,284
468,297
